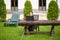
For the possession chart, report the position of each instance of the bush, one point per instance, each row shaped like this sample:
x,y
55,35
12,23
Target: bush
x,y
2,10
53,10
27,8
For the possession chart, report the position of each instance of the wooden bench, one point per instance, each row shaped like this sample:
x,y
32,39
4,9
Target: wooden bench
x,y
40,22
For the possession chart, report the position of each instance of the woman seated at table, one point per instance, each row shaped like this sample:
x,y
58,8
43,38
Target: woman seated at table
x,y
31,27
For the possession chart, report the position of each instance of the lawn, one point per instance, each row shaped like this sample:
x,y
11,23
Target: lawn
x,y
15,33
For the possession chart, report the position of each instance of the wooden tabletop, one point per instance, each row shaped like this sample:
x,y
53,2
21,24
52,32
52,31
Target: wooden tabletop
x,y
39,22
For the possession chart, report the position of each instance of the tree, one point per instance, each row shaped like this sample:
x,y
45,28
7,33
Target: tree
x,y
2,10
27,8
53,10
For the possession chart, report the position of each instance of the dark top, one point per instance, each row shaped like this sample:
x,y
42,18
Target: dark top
x,y
29,18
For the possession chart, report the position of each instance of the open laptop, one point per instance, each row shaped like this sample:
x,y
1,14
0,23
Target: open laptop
x,y
29,18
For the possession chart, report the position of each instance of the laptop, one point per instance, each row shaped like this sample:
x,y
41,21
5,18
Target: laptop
x,y
29,18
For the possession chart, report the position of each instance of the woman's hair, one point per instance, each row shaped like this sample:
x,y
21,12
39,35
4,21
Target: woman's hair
x,y
31,11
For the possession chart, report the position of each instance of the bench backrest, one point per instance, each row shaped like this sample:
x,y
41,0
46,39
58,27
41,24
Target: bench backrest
x,y
36,17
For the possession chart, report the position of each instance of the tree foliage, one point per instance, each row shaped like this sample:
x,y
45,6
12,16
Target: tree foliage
x,y
53,10
27,8
2,10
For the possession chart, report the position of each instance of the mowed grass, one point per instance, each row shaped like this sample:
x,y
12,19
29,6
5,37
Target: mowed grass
x,y
15,33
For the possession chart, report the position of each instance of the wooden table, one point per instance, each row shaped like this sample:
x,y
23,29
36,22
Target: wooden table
x,y
40,22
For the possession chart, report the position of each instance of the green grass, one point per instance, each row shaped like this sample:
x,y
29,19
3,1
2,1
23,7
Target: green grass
x,y
15,33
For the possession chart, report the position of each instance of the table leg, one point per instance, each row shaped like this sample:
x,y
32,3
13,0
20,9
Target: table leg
x,y
38,28
52,31
24,31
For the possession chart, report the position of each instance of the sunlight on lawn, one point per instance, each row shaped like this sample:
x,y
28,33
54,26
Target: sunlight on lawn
x,y
15,33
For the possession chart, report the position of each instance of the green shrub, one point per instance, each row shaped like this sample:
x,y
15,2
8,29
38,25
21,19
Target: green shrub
x,y
53,10
2,10
27,8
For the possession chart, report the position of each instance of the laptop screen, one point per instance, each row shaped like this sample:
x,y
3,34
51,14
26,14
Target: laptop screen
x,y
29,18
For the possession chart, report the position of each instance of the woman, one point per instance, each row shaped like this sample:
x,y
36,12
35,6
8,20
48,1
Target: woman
x,y
31,27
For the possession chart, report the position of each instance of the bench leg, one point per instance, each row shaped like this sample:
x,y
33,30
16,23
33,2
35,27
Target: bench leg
x,y
37,28
52,31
